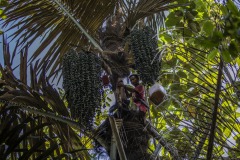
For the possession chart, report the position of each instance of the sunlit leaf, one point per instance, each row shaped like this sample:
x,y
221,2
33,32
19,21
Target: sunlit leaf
x,y
212,54
165,38
1,11
4,17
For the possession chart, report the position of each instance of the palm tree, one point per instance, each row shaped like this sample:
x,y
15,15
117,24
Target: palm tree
x,y
102,27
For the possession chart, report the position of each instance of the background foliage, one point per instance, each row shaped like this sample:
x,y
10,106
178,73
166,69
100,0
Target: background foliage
x,y
195,41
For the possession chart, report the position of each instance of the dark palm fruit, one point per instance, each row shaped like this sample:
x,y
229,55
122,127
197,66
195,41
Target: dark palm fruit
x,y
81,82
144,47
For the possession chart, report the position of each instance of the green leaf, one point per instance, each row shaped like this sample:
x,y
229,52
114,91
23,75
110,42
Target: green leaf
x,y
217,37
208,44
4,17
181,74
182,1
194,12
227,132
224,10
212,54
178,13
234,49
208,27
200,6
189,16
172,20
3,3
238,61
165,38
187,32
179,25
232,7
226,56
193,26
175,87
193,5
237,114
1,11
182,58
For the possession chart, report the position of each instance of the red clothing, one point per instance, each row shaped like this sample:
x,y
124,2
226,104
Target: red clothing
x,y
137,97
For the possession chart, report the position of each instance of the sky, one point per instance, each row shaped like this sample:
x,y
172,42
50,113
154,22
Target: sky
x,y
12,43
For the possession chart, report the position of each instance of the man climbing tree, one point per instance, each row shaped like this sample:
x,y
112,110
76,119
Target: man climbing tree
x,y
138,96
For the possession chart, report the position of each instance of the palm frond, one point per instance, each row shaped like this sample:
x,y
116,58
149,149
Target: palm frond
x,y
42,97
59,28
147,9
45,18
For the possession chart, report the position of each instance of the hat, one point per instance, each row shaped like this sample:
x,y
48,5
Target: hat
x,y
136,75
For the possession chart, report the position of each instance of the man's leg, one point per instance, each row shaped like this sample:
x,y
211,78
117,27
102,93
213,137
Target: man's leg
x,y
142,117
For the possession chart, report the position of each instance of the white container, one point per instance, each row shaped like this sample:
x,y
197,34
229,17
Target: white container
x,y
157,94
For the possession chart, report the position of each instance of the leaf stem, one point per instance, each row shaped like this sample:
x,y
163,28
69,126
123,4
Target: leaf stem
x,y
79,26
214,116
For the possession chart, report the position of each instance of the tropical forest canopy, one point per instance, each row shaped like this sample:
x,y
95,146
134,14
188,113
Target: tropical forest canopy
x,y
198,48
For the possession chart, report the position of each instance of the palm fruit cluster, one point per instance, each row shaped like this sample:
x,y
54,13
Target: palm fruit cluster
x,y
144,47
81,82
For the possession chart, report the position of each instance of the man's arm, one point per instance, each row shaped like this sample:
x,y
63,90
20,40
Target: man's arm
x,y
130,89
133,90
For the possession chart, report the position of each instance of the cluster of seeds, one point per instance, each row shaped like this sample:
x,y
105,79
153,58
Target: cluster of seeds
x,y
81,82
144,47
